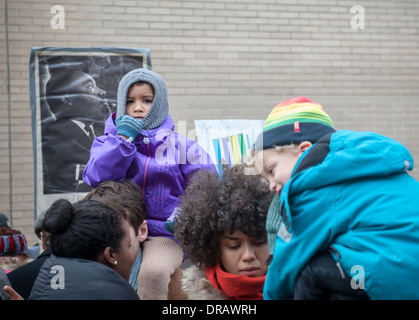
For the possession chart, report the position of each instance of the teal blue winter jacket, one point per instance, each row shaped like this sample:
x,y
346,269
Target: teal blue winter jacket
x,y
351,192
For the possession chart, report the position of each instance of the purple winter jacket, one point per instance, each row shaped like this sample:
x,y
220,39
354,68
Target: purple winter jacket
x,y
159,160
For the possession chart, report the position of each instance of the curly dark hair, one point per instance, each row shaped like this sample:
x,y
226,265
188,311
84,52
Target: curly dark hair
x,y
213,205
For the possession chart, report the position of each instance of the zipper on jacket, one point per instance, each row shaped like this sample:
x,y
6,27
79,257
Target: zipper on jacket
x,y
336,253
146,140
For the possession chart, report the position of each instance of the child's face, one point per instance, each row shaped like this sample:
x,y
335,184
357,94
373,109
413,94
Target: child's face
x,y
139,100
277,166
244,255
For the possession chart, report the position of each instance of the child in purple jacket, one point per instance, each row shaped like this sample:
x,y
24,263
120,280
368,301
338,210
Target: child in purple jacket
x,y
139,143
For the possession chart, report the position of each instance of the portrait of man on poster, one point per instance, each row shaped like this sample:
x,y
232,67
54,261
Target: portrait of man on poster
x,y
75,92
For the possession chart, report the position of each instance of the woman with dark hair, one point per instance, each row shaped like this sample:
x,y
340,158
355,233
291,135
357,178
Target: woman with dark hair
x,y
92,259
222,228
126,196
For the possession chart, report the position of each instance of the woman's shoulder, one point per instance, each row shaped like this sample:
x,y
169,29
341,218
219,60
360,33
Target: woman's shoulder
x,y
81,279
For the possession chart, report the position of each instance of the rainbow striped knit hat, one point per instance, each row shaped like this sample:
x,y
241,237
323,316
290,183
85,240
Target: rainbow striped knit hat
x,y
293,121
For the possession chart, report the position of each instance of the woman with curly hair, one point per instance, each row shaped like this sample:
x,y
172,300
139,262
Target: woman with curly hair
x,y
222,229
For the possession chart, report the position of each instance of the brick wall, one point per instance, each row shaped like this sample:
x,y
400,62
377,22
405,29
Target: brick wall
x,y
224,59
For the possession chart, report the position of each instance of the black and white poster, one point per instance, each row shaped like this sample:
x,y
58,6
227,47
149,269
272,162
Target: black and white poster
x,y
72,92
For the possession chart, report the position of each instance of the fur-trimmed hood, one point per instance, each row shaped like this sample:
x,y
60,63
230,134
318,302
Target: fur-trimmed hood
x,y
195,284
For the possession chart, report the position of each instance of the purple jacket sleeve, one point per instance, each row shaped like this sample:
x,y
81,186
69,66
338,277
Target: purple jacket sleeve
x,y
156,227
110,159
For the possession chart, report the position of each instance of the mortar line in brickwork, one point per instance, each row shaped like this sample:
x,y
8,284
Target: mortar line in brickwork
x,y
9,117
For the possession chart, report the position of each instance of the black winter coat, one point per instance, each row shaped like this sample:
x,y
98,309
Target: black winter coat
x,y
79,279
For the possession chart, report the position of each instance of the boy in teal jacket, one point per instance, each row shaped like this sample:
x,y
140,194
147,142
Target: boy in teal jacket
x,y
340,194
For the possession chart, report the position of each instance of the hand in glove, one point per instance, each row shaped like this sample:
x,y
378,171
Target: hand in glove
x,y
128,126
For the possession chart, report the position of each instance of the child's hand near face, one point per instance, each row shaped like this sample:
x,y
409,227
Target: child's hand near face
x,y
128,127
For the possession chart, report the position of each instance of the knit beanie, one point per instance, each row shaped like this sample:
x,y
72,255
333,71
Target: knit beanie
x,y
160,107
13,244
4,221
293,121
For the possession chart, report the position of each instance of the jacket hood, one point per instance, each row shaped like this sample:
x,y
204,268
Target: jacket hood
x,y
347,155
160,107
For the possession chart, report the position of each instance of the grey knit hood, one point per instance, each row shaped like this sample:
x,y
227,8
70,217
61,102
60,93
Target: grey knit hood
x,y
160,107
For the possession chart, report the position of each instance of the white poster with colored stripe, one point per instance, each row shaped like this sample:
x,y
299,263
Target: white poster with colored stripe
x,y
228,141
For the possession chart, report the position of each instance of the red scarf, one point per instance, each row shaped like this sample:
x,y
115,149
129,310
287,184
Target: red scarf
x,y
235,287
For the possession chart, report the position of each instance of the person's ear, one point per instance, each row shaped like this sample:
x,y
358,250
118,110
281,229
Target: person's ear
x,y
304,146
110,256
143,231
